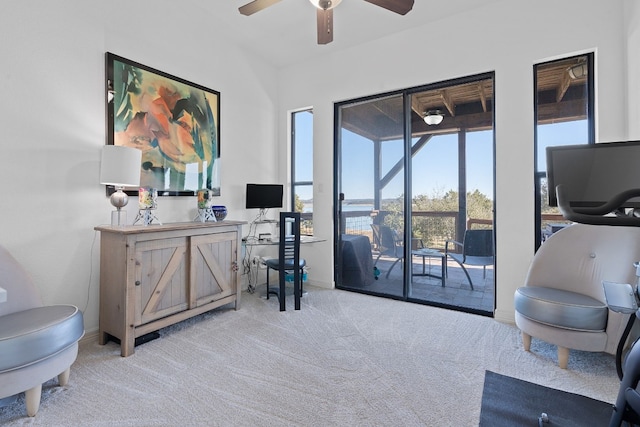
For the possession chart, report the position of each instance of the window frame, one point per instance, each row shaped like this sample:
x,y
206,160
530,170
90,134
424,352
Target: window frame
x,y
307,220
540,175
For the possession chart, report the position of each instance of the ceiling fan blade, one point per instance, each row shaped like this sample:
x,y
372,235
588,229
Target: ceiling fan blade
x,y
398,6
325,26
256,6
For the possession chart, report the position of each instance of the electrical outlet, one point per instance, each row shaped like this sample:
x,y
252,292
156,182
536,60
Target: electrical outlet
x,y
255,260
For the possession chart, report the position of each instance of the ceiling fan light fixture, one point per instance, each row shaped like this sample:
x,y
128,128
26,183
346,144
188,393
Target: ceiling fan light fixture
x,y
325,4
433,117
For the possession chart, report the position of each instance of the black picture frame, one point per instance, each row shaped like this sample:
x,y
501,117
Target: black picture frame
x,y
174,122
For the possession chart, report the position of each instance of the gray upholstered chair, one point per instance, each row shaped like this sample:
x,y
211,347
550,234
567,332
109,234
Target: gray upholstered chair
x,y
37,343
562,301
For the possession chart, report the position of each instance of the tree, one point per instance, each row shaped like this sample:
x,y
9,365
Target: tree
x,y
434,230
298,204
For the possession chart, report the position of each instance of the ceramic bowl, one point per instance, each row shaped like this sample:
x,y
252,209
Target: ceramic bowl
x,y
220,212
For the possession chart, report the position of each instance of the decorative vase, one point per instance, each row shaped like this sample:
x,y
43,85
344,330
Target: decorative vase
x,y
147,198
205,198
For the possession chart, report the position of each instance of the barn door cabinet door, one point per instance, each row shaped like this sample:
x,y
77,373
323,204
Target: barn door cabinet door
x,y
213,261
161,278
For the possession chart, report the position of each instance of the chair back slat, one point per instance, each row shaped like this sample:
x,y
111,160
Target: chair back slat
x,y
389,243
478,243
289,246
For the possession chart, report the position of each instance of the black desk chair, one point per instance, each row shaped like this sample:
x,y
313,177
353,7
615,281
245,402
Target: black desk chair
x,y
288,261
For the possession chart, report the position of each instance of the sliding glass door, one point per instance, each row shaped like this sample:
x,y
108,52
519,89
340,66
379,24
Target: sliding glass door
x,y
372,185
414,172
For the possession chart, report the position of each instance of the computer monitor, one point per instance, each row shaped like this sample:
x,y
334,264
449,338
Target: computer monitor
x,y
264,196
592,174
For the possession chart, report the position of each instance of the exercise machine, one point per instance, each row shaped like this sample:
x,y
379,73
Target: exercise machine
x,y
623,298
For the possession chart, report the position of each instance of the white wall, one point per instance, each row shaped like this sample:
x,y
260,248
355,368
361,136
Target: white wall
x,y
52,115
508,37
52,82
632,25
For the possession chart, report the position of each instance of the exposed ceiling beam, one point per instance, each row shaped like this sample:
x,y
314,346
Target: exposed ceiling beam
x,y
400,163
562,112
446,100
565,82
416,106
390,111
483,97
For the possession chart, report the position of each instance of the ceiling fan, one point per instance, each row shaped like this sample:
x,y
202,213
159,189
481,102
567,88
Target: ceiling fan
x,y
325,12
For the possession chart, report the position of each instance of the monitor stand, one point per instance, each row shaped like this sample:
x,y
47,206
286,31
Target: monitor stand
x,y
262,218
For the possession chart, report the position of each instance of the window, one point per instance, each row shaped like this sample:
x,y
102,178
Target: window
x,y
302,168
564,115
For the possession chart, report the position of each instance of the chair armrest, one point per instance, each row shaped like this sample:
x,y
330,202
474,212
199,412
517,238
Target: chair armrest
x,y
455,243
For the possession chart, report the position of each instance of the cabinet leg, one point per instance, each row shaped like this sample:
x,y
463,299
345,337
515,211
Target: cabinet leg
x,y
127,345
103,337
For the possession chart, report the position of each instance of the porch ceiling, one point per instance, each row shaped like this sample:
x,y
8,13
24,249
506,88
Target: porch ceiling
x,y
467,106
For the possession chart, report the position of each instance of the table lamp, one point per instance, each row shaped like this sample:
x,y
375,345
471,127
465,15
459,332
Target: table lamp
x,y
120,167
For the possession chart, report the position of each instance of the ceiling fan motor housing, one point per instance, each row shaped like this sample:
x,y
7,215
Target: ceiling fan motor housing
x,y
325,4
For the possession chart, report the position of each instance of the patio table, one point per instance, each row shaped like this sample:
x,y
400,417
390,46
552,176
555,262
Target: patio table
x,y
430,253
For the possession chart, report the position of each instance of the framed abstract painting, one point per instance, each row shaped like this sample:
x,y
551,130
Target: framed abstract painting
x,y
175,123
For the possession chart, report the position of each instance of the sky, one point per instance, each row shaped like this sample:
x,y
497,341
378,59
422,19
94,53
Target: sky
x,y
435,166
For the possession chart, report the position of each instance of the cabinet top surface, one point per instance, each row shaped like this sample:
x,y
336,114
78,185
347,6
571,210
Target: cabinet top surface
x,y
135,229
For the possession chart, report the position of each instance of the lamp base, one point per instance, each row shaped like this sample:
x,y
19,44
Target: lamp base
x,y
146,216
118,218
205,214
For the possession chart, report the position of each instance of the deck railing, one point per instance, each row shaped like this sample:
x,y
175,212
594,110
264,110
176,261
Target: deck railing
x,y
433,227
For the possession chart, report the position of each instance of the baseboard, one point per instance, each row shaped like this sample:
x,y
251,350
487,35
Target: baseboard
x,y
89,337
505,316
321,284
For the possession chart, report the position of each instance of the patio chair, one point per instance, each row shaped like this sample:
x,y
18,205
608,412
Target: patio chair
x,y
477,249
389,244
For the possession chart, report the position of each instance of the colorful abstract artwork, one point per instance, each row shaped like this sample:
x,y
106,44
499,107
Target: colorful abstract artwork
x,y
174,122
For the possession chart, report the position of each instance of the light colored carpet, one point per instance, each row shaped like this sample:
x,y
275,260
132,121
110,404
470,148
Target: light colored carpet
x,y
345,359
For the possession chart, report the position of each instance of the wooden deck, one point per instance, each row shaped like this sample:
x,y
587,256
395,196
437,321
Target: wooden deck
x,y
456,293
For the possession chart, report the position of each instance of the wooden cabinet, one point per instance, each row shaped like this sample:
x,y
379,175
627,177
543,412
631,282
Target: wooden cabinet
x,y
157,275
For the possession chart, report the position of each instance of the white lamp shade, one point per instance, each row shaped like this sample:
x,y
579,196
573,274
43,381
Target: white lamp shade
x,y
120,166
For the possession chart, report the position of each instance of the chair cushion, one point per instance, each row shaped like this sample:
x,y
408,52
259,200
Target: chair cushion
x,y
29,336
288,263
472,260
562,309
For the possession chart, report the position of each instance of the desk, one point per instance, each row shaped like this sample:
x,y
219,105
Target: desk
x,y
252,262
357,262
430,253
3,295
275,241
